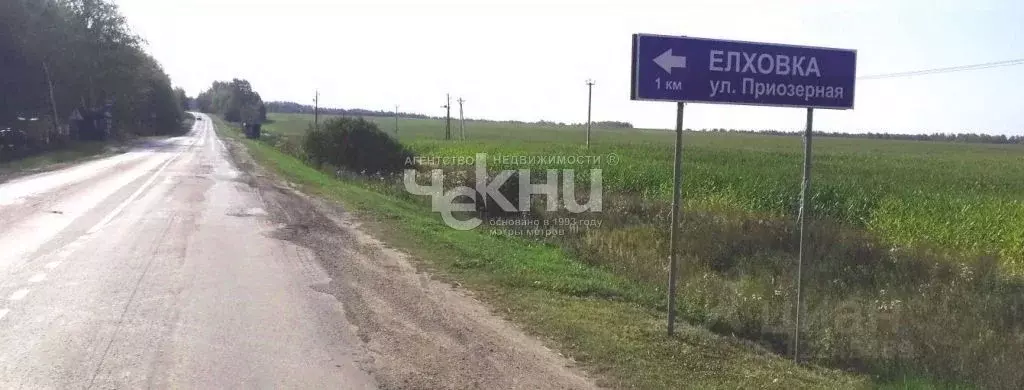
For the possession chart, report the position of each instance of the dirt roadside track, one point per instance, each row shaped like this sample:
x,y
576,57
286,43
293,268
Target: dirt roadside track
x,y
418,333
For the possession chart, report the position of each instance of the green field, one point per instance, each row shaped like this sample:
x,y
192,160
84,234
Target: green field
x,y
968,198
913,270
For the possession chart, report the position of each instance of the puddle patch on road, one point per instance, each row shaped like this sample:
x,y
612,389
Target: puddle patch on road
x,y
288,232
248,212
323,288
247,178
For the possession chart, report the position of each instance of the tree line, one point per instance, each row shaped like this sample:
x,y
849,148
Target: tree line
x,y
234,100
296,108
945,137
63,56
608,124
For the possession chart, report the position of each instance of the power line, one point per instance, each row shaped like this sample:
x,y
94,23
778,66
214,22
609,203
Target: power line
x,y
961,68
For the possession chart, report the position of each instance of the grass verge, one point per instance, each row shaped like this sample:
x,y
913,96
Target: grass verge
x,y
601,320
55,159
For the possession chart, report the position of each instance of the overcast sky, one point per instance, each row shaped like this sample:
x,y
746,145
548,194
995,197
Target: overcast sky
x,y
528,60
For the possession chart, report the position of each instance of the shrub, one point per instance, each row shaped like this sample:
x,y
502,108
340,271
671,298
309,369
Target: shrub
x,y
488,206
355,145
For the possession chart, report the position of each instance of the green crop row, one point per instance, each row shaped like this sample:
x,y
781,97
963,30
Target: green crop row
x,y
964,198
959,197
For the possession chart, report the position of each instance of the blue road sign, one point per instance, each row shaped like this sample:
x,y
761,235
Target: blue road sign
x,y
685,69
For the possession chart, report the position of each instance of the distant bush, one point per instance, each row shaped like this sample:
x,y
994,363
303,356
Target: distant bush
x,y
296,108
355,145
614,124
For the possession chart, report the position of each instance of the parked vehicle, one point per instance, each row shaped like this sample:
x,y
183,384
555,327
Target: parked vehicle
x,y
15,143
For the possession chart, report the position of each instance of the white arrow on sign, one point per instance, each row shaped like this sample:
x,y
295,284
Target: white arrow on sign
x,y
668,61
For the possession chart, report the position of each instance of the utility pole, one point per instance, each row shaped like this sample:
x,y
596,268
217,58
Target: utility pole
x,y
462,120
448,117
590,95
53,102
396,120
316,110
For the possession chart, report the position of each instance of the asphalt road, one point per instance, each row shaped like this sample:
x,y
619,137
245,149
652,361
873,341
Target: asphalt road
x,y
154,268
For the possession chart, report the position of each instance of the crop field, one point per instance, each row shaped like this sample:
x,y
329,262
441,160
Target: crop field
x,y
902,233
965,198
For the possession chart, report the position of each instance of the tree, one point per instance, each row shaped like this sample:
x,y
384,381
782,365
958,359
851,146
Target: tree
x,y
90,57
183,98
236,101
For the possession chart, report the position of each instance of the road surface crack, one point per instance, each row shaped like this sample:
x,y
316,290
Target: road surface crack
x,y
127,305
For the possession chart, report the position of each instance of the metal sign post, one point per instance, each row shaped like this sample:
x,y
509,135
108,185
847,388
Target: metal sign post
x,y
686,69
804,191
674,233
